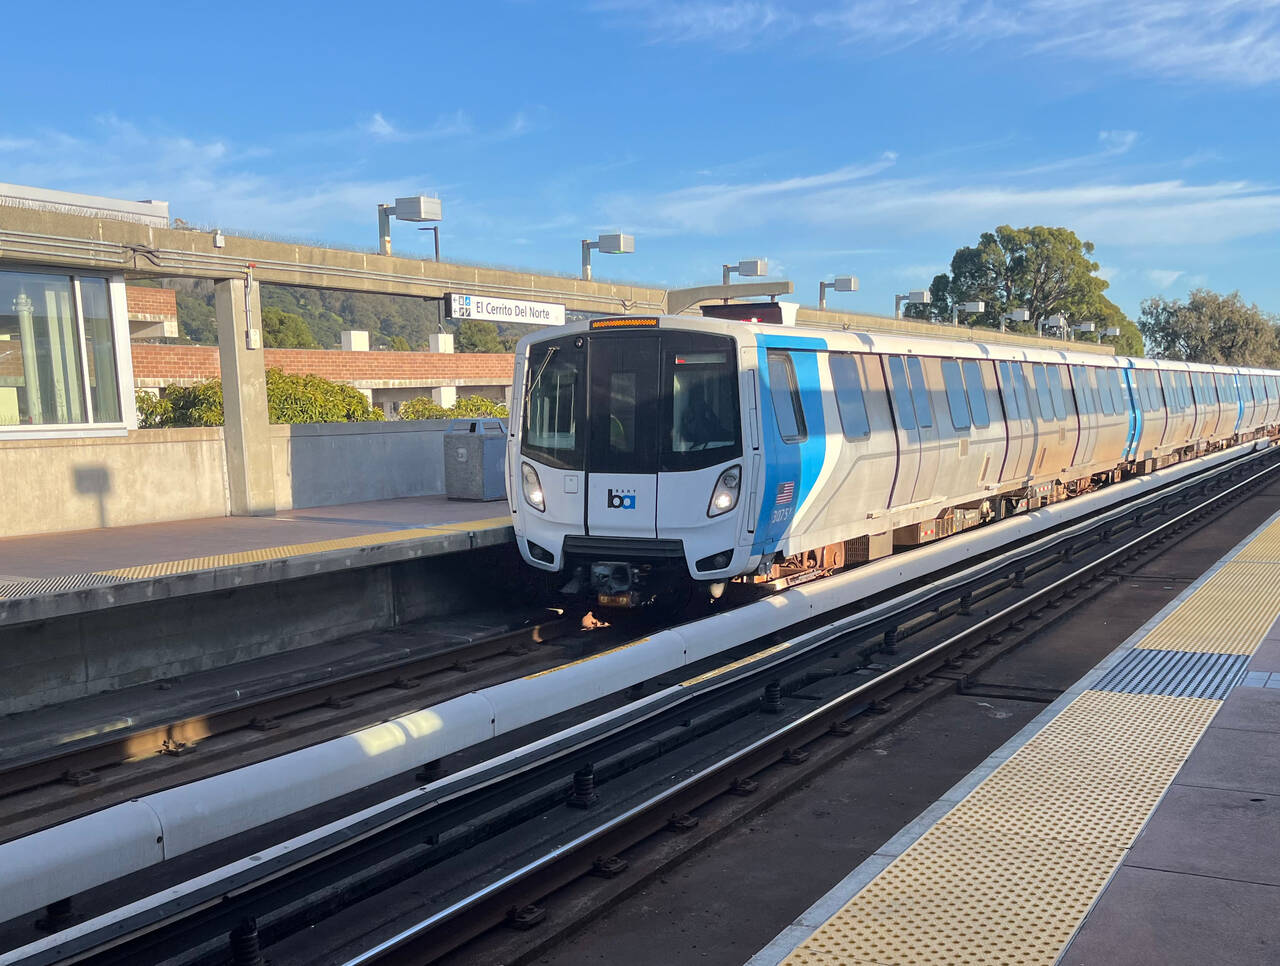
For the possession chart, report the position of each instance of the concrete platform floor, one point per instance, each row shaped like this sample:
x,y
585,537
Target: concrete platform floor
x,y
114,548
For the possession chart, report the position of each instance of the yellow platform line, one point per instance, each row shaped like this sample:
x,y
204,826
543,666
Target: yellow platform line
x,y
1006,877
215,561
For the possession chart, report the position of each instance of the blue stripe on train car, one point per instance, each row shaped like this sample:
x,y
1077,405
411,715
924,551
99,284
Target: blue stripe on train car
x,y
791,469
1135,411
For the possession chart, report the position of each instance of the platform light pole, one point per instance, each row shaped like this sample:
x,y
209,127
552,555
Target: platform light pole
x,y
749,267
1015,315
969,308
920,296
615,244
416,208
843,283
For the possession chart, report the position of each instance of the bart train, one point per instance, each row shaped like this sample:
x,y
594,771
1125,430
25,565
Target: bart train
x,y
646,453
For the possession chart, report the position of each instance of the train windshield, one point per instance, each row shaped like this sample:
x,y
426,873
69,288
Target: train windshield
x,y
554,404
632,403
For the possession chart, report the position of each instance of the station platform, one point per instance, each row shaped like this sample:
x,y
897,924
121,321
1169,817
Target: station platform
x,y
55,575
1134,821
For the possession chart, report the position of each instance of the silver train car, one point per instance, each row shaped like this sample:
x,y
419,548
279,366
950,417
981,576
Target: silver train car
x,y
646,453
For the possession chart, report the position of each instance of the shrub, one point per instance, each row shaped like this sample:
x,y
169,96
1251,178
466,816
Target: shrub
x,y
424,407
154,412
290,399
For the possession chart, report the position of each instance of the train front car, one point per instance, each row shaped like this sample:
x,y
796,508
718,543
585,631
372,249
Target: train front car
x,y
625,456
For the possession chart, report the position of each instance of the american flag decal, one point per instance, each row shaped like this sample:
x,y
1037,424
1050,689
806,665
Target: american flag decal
x,y
786,492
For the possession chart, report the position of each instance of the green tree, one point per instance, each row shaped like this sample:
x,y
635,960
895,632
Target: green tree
x,y
424,407
285,330
399,343
197,319
1044,270
1212,328
1108,315
476,335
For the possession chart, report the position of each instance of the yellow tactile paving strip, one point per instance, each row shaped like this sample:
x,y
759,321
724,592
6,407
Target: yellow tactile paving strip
x,y
195,564
1009,873
1229,613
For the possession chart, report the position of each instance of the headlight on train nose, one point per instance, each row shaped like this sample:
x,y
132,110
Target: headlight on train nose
x,y
725,496
532,488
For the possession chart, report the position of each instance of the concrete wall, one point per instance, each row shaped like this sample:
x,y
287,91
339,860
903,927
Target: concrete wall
x,y
328,463
152,475
145,477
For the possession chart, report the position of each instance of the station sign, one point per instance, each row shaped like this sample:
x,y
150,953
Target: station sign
x,y
504,310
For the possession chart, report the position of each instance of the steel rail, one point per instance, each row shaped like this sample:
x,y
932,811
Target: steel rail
x,y
889,682
570,860
68,763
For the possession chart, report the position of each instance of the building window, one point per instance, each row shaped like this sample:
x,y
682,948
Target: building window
x,y
57,351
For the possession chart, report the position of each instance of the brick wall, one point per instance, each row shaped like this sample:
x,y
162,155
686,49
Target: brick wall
x,y
151,304
161,364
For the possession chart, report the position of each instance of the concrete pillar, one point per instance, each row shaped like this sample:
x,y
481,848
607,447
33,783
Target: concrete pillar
x,y
445,395
246,429
440,342
355,340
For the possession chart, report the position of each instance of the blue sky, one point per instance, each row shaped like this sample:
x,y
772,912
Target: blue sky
x,y
871,137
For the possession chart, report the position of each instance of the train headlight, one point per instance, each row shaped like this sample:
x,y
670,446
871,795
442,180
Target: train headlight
x,y
725,496
532,488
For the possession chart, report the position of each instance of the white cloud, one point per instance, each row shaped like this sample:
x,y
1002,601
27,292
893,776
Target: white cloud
x,y
379,126
1117,142
1163,277
205,180
1227,41
854,200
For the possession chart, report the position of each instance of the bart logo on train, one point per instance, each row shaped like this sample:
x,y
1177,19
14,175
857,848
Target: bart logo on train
x,y
622,499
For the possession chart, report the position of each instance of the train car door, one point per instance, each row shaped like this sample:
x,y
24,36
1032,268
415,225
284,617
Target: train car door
x,y
622,435
1021,430
930,433
904,415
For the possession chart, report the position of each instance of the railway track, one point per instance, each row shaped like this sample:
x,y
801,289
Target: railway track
x,y
690,740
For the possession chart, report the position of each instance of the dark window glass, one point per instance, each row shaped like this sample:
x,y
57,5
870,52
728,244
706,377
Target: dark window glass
x,y
1042,393
1006,390
901,393
848,385
786,397
919,392
956,401
554,404
1080,387
623,407
1105,398
977,394
1055,392
699,401
1021,389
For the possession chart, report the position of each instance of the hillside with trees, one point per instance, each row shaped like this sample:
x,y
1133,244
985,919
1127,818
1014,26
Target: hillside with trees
x,y
315,318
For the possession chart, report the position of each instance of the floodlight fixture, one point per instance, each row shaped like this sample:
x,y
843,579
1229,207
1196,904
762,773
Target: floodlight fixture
x,y
748,267
843,283
413,208
612,244
969,308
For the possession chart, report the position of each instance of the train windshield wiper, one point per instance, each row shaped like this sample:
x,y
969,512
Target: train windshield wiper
x,y
538,375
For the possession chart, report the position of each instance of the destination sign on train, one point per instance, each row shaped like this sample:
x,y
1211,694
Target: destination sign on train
x,y
505,310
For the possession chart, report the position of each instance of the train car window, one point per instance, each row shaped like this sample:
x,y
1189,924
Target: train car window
x,y
1080,388
901,394
1105,401
701,419
1042,393
919,392
786,398
956,400
1006,390
977,394
1022,390
1055,392
849,399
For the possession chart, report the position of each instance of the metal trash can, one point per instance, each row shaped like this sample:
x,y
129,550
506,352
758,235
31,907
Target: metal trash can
x,y
474,456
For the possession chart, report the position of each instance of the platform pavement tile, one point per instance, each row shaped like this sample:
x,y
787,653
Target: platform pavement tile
x,y
1223,833
1233,759
1250,709
1266,658
1149,917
